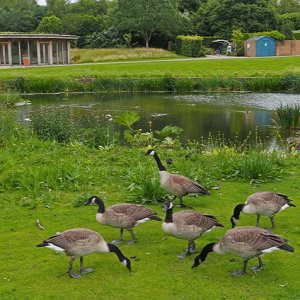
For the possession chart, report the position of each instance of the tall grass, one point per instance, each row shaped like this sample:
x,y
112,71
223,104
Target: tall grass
x,y
102,55
166,83
288,116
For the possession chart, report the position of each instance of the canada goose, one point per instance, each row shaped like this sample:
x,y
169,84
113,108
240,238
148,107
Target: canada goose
x,y
122,215
246,242
188,225
79,242
262,203
176,184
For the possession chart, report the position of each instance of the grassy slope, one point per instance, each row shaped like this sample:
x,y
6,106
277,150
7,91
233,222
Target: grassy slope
x,y
28,272
100,55
243,67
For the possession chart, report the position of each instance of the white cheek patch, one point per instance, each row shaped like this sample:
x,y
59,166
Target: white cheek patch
x,y
235,220
269,250
55,248
141,221
124,262
284,207
151,153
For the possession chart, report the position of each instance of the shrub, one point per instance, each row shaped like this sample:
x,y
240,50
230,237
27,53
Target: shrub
x,y
189,46
53,125
291,83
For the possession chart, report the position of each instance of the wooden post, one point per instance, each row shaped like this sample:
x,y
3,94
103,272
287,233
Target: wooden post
x,y
20,55
38,49
69,52
50,53
9,53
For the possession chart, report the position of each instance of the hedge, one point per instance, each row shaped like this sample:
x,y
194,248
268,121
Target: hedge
x,y
189,46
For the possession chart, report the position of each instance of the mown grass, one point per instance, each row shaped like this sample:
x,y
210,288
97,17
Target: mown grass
x,y
28,272
119,54
237,67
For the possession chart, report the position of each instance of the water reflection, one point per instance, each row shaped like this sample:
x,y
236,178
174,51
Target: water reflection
x,y
231,114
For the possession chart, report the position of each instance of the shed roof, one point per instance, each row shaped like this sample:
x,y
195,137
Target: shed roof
x,y
256,38
17,36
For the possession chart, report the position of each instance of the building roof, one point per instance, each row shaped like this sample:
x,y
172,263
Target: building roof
x,y
18,36
256,38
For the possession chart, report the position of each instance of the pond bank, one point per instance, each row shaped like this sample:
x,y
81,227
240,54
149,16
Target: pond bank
x,y
286,83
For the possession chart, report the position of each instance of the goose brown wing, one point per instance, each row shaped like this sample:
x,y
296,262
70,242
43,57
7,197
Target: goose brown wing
x,y
72,237
252,238
187,185
134,211
197,219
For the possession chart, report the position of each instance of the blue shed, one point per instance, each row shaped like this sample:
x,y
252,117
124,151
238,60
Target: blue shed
x,y
260,46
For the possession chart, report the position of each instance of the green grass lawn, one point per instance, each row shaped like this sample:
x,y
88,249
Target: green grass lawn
x,y
240,67
28,272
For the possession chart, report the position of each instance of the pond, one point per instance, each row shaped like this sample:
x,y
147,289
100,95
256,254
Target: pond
x,y
231,114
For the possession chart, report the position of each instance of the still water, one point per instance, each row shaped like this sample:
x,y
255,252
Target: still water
x,y
231,114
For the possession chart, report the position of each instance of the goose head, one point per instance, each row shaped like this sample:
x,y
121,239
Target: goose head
x,y
150,152
202,256
168,206
95,200
236,214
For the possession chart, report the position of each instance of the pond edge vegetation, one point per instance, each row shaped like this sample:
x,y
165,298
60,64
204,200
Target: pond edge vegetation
x,y
166,83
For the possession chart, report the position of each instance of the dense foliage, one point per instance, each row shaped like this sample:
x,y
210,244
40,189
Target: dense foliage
x,y
119,23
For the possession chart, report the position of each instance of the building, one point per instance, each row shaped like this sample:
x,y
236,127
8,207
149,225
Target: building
x,y
267,46
35,49
260,46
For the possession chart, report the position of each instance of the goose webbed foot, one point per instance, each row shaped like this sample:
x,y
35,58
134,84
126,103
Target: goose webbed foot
x,y
86,271
183,255
132,241
238,273
256,268
74,275
116,241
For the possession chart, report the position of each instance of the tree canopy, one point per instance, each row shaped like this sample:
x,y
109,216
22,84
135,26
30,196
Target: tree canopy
x,y
145,17
119,23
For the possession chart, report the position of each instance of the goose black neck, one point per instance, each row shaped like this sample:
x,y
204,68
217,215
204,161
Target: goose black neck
x,y
237,211
169,215
208,248
101,207
159,164
117,251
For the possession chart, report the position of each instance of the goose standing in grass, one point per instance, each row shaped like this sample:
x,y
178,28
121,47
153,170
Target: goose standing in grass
x,y
122,215
262,203
176,184
188,225
80,242
246,242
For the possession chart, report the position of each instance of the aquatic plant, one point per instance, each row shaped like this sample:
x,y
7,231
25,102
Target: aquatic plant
x,y
288,116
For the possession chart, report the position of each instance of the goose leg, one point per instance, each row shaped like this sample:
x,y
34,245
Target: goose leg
x,y
181,203
121,237
190,249
134,239
241,272
260,265
272,221
70,271
82,270
257,220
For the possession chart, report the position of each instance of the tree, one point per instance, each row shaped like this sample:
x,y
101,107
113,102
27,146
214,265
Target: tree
x,y
82,25
51,24
220,17
288,6
57,7
145,17
90,7
19,15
